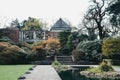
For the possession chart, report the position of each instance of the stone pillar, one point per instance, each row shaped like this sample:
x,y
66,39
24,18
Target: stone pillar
x,y
44,37
24,35
21,35
34,35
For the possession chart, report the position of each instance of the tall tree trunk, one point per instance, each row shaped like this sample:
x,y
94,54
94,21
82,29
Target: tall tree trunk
x,y
100,28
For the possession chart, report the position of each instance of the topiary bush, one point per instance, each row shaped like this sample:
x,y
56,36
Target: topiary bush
x,y
111,48
105,67
92,50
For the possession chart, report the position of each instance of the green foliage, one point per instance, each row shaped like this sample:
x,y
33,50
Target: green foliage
x,y
69,44
65,51
94,70
63,37
78,55
114,9
111,48
32,24
92,37
83,37
92,49
90,46
59,67
6,39
105,67
37,55
56,63
65,42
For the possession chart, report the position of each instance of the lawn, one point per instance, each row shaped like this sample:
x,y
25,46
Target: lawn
x,y
12,72
116,68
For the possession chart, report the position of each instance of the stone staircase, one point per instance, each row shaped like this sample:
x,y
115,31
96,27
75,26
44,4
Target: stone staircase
x,y
66,60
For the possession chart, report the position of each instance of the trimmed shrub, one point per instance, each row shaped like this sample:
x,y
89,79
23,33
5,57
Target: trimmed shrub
x,y
111,48
11,54
83,37
78,55
56,63
59,67
92,50
105,67
63,37
65,51
37,55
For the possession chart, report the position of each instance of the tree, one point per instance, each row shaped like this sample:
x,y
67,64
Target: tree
x,y
91,27
69,44
32,24
63,37
96,13
114,11
15,23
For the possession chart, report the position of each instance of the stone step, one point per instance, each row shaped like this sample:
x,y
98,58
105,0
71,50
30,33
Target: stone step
x,y
71,63
63,56
66,60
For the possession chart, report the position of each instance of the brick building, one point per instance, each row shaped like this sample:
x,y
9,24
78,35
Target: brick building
x,y
58,27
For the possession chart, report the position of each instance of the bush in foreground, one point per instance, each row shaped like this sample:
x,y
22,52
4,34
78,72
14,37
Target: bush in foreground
x,y
11,54
104,70
59,67
105,67
78,55
111,48
92,50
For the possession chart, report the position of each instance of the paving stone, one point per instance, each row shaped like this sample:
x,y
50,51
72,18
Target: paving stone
x,y
43,72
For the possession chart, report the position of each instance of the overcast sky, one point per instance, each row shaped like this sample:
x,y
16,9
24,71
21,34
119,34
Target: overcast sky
x,y
48,10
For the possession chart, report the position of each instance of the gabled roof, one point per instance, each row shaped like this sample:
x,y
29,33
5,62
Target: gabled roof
x,y
60,25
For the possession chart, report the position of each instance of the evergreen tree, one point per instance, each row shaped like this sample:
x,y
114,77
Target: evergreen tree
x,y
69,44
63,37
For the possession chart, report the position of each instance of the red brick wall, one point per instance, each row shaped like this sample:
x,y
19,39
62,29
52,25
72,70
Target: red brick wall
x,y
54,34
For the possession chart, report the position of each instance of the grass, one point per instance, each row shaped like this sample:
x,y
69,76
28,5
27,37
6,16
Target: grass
x,y
116,66
12,72
94,70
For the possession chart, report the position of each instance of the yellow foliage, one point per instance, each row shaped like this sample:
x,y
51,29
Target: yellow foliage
x,y
111,46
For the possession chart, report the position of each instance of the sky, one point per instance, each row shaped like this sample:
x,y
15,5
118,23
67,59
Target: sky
x,y
47,10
